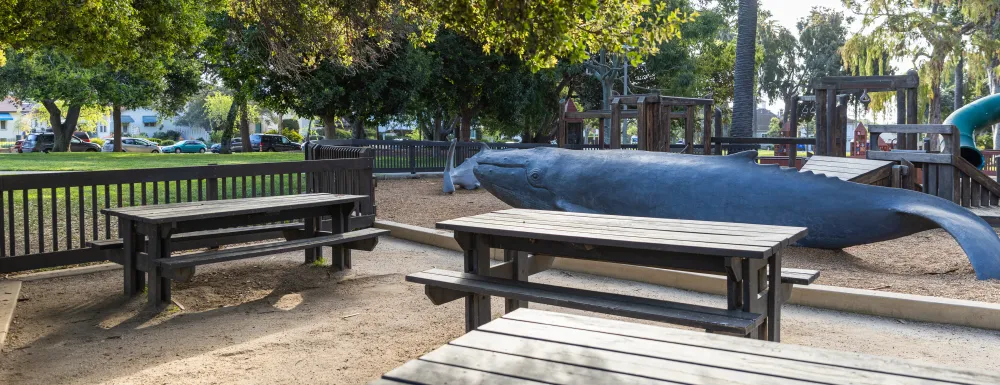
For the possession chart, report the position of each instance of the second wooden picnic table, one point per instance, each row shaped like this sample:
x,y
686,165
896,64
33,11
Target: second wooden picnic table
x,y
748,255
147,233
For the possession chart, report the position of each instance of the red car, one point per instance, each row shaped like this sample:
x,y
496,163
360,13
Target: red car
x,y
17,146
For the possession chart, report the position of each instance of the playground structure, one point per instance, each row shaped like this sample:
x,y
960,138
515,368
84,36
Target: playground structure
x,y
653,114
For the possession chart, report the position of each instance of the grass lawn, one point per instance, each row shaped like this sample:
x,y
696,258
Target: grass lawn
x,y
120,161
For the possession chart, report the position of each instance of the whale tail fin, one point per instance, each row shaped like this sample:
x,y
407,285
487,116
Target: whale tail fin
x,y
974,235
449,184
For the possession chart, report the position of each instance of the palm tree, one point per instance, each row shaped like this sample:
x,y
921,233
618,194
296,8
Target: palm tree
x,y
746,45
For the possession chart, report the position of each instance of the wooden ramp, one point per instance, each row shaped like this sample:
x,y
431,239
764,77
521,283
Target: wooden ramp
x,y
864,171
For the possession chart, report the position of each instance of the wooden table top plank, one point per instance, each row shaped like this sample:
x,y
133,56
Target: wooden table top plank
x,y
543,370
152,211
749,362
230,207
425,372
627,233
611,240
866,165
848,160
652,367
721,225
847,360
160,210
626,225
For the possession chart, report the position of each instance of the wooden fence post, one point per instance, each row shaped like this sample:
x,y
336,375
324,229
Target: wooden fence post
x,y
412,149
616,124
718,130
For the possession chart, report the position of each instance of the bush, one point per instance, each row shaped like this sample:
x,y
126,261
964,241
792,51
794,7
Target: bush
x,y
167,142
155,140
169,134
985,141
271,132
290,124
292,135
98,141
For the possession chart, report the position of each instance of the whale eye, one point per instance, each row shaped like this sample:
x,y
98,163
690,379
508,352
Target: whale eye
x,y
535,176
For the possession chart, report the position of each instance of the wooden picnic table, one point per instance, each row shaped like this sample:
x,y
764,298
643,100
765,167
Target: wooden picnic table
x,y
748,254
158,223
535,347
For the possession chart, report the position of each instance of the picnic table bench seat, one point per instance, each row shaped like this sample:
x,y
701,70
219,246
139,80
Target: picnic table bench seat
x,y
709,318
364,239
210,238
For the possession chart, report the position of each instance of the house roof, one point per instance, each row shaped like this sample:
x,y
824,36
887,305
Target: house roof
x,y
9,105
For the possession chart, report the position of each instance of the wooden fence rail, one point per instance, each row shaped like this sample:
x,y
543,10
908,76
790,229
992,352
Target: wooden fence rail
x,y
49,218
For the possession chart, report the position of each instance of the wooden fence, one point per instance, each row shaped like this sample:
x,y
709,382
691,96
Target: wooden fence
x,y
48,218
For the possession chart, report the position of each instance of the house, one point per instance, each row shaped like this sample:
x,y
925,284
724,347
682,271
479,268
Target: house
x,y
762,121
150,122
16,118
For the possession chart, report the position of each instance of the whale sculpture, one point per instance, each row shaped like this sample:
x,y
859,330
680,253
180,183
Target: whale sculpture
x,y
732,188
463,174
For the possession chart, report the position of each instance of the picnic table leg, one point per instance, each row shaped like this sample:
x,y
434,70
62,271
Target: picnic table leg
x,y
134,279
310,231
159,287
477,261
339,223
774,298
745,281
519,259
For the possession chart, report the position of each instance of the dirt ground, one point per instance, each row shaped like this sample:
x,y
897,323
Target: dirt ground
x,y
272,320
928,263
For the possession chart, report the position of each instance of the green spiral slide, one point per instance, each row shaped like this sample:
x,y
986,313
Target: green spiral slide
x,y
980,113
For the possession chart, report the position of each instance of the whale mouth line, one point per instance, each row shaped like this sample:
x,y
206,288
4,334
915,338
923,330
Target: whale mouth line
x,y
503,165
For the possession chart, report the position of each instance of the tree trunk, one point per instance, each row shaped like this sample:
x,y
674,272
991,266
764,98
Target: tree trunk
x,y
329,126
116,115
436,126
245,127
746,45
959,83
228,126
358,129
62,129
465,129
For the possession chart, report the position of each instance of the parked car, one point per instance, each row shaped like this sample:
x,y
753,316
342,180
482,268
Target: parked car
x,y
82,136
185,146
272,142
17,146
44,143
236,145
132,145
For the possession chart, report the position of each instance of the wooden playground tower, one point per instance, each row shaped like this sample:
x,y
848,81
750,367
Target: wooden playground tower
x,y
832,96
653,114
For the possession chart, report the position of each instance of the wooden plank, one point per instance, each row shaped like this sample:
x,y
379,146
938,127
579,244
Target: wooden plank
x,y
681,371
228,208
732,321
931,179
424,372
572,236
268,249
640,224
532,368
914,157
913,128
791,231
948,184
652,346
798,276
847,162
626,232
777,354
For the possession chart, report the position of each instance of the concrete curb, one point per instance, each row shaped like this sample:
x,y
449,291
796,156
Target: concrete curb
x,y
9,293
68,272
981,315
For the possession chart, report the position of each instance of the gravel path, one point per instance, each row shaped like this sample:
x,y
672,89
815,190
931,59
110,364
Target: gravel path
x,y
927,263
272,320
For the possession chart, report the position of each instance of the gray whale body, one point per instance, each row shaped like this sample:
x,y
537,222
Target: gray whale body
x,y
730,188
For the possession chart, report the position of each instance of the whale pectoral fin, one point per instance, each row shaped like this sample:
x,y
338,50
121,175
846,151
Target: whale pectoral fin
x,y
976,237
566,206
749,155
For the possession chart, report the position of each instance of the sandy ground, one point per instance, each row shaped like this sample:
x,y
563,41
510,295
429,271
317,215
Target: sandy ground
x,y
927,263
273,320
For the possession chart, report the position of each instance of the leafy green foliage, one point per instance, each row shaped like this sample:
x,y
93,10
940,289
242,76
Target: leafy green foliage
x,y
292,135
167,142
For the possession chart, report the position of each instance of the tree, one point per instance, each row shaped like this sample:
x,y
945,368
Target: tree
x,y
780,73
774,128
743,78
821,36
369,96
538,31
92,55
